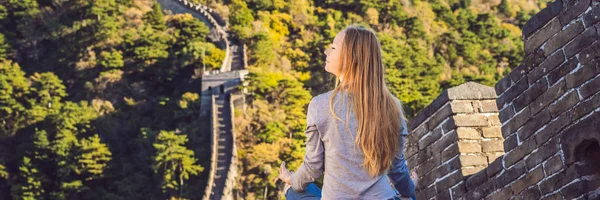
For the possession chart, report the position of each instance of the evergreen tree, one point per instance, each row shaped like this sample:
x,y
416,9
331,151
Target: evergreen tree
x,y
174,161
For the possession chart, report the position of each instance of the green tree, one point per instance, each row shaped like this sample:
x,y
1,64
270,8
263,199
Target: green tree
x,y
174,161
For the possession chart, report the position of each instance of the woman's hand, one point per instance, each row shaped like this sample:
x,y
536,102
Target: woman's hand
x,y
284,173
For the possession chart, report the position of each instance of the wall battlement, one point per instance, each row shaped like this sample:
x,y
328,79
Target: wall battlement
x,y
535,135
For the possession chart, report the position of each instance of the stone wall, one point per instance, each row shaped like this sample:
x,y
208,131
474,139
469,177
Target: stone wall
x,y
549,118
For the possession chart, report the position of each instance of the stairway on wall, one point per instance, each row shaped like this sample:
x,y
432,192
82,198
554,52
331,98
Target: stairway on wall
x,y
224,142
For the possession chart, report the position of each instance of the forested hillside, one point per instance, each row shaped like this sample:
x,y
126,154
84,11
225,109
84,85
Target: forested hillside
x,y
100,99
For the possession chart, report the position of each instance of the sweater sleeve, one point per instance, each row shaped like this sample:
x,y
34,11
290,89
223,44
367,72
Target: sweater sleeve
x,y
313,166
398,173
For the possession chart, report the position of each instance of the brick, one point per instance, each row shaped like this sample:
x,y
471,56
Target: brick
x,y
529,62
426,193
481,191
548,65
562,37
439,116
411,150
446,140
572,10
564,104
537,89
589,88
449,125
530,179
435,135
419,131
510,143
467,133
553,128
459,106
588,54
471,170
444,194
511,174
560,179
562,70
494,121
578,188
591,17
517,121
473,160
531,193
584,108
580,76
494,167
580,42
548,97
448,182
537,39
553,165
427,179
502,85
503,194
470,120
533,125
492,132
512,92
542,18
449,167
542,153
458,189
519,152
476,180
450,152
469,147
555,196
506,113
485,106
429,165
492,146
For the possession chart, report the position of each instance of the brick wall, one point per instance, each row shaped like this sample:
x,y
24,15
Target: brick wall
x,y
549,115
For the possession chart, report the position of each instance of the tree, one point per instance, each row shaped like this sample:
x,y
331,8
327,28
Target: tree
x,y
93,157
156,17
29,185
173,161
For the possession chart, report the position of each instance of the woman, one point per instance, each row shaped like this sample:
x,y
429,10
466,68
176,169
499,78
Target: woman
x,y
360,154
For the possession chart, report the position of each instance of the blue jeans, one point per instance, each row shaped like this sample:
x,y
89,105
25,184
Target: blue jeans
x,y
312,192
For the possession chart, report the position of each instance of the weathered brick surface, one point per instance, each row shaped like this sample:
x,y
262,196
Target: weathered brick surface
x,y
537,39
553,165
531,193
533,125
476,180
510,143
548,97
530,179
492,132
586,72
548,65
586,38
469,147
572,10
542,153
519,152
492,146
473,160
563,37
517,121
427,140
468,133
564,104
531,94
592,52
542,18
558,73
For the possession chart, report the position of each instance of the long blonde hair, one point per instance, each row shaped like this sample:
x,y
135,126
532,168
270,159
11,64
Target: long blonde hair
x,y
376,110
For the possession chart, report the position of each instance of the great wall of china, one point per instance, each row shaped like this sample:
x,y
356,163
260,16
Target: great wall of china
x,y
536,135
219,92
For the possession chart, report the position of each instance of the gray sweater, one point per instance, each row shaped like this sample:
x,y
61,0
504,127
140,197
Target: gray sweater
x,y
330,151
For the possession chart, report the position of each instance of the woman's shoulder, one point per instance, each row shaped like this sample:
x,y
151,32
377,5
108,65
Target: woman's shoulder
x,y
321,98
